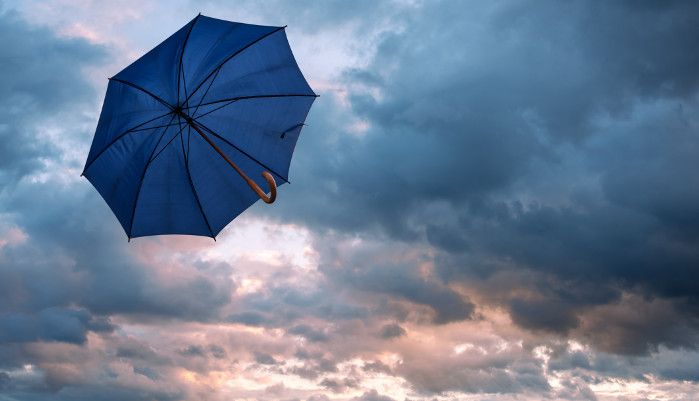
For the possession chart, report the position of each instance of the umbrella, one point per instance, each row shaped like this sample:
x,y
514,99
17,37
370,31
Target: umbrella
x,y
190,132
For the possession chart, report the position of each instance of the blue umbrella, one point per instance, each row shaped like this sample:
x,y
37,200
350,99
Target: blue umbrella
x,y
190,131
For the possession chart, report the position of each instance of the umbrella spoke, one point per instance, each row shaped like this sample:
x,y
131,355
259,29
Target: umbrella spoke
x,y
180,72
123,134
189,136
191,181
230,57
157,126
179,133
233,99
179,122
205,93
143,175
146,91
211,111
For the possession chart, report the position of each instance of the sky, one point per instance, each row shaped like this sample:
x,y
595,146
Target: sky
x,y
491,201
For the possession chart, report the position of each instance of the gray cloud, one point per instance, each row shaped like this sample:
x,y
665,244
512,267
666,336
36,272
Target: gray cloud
x,y
539,159
309,333
392,330
372,395
552,138
4,380
41,76
52,324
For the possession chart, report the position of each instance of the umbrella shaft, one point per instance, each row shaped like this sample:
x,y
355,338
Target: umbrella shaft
x,y
270,179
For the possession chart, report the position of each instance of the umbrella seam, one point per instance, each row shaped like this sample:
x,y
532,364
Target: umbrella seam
x,y
230,99
230,57
191,184
156,97
123,134
216,109
205,93
166,145
143,176
180,71
158,126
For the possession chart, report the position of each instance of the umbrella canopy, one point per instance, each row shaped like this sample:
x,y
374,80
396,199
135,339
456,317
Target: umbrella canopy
x,y
190,131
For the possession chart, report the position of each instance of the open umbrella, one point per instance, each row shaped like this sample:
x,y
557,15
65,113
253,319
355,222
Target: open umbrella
x,y
190,131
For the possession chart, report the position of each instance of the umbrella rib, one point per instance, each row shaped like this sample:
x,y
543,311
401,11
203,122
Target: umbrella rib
x,y
240,150
216,109
189,135
179,122
205,93
180,71
230,57
233,99
123,134
143,175
153,95
159,126
166,145
191,183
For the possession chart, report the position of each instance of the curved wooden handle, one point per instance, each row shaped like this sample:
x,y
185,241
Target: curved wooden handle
x,y
262,194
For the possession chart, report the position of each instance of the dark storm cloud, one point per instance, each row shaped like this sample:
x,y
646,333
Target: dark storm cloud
x,y
640,325
393,281
212,350
515,376
471,121
104,275
52,324
309,333
4,381
389,273
596,367
102,392
282,304
547,314
265,359
368,285
392,331
248,318
69,256
543,152
337,385
312,369
39,77
557,138
68,271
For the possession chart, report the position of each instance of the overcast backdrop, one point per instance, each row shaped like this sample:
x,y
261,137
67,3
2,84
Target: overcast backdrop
x,y
491,201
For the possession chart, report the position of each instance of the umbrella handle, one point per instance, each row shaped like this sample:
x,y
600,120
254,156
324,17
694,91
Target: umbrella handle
x,y
272,187
267,176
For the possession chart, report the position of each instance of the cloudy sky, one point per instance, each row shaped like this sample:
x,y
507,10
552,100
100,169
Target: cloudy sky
x,y
491,201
